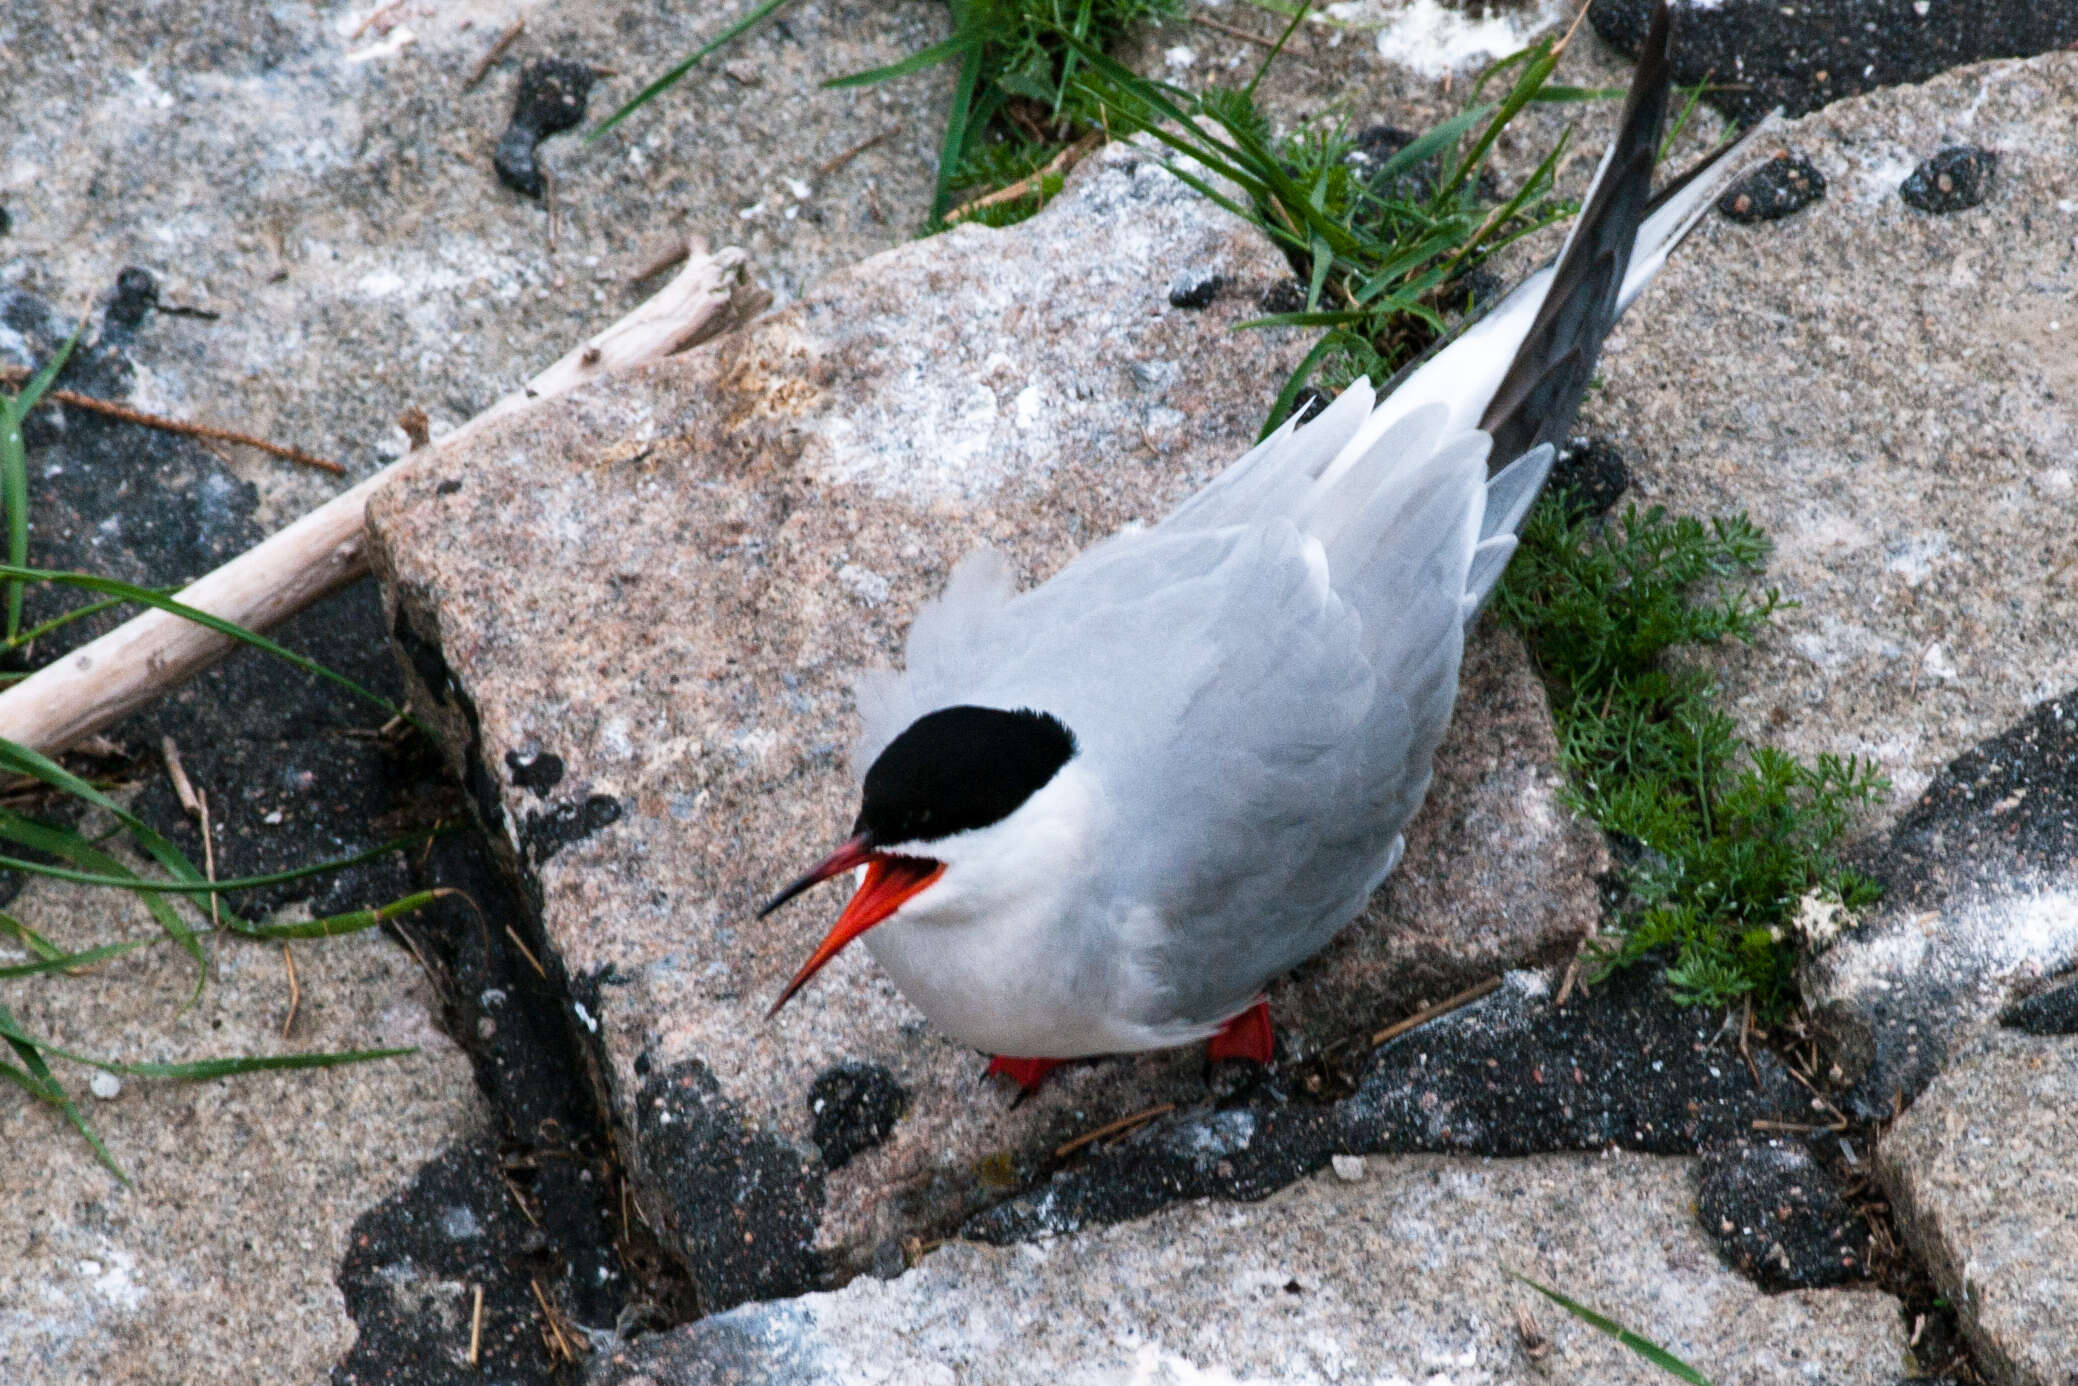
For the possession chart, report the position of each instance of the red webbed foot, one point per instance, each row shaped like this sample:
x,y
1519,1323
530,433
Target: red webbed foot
x,y
1248,1035
1028,1074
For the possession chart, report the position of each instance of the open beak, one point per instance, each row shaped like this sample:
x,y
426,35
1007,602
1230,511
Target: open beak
x,y
890,882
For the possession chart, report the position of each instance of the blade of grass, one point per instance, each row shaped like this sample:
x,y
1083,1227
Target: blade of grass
x,y
1644,1347
86,957
53,1092
956,124
70,846
36,943
197,1069
14,468
1277,48
144,886
145,596
351,922
943,51
671,78
81,613
1540,63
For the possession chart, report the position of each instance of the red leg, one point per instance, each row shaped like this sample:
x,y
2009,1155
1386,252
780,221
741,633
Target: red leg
x,y
1028,1073
1248,1035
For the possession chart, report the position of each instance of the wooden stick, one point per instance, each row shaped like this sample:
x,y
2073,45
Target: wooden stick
x,y
1429,1013
102,682
1124,1123
1032,182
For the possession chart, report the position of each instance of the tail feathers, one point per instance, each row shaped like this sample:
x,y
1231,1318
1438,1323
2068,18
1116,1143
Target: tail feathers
x,y
1538,397
1681,204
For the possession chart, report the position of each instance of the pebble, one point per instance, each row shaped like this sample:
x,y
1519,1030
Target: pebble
x,y
1349,1168
1957,178
105,1086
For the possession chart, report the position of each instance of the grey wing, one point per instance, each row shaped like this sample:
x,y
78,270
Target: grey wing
x,y
1251,756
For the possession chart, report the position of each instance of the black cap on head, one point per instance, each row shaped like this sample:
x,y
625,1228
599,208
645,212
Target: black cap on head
x,y
958,769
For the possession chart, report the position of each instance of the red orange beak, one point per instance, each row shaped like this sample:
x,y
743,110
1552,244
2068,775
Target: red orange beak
x,y
890,882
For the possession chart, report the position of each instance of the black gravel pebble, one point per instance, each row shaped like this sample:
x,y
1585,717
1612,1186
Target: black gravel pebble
x,y
552,94
1761,54
136,294
1776,1215
855,1106
1591,474
1784,184
1196,289
1957,178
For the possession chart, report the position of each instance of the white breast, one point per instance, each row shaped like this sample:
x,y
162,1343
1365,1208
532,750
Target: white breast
x,y
1014,950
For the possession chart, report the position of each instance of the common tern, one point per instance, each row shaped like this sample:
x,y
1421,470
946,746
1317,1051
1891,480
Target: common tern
x,y
1102,815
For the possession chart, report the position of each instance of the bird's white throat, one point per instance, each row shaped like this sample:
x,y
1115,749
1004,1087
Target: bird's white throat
x,y
1004,947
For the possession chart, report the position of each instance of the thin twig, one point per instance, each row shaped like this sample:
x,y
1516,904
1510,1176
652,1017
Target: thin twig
x,y
1572,970
379,12
175,771
1231,32
288,1022
837,161
1794,1127
476,1314
526,952
166,425
1112,1128
1032,182
1429,1013
548,198
563,1348
209,861
476,74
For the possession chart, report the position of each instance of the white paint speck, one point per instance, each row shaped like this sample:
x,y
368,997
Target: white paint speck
x,y
105,1086
1349,1168
585,1016
1180,56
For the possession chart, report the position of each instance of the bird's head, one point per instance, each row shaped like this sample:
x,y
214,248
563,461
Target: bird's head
x,y
929,802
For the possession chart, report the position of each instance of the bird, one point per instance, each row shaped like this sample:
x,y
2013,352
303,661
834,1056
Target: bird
x,y
1100,816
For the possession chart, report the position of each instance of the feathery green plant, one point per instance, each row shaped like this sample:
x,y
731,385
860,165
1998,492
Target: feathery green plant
x,y
1725,836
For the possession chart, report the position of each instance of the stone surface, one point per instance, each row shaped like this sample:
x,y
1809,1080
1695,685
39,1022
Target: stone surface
x,y
331,194
1887,394
1981,1174
295,774
1398,1276
1760,54
1980,905
246,1189
777,506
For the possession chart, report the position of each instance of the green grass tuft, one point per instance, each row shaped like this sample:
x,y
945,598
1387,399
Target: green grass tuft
x,y
1724,837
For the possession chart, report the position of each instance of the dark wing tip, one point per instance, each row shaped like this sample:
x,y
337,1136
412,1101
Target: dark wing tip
x,y
1541,392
